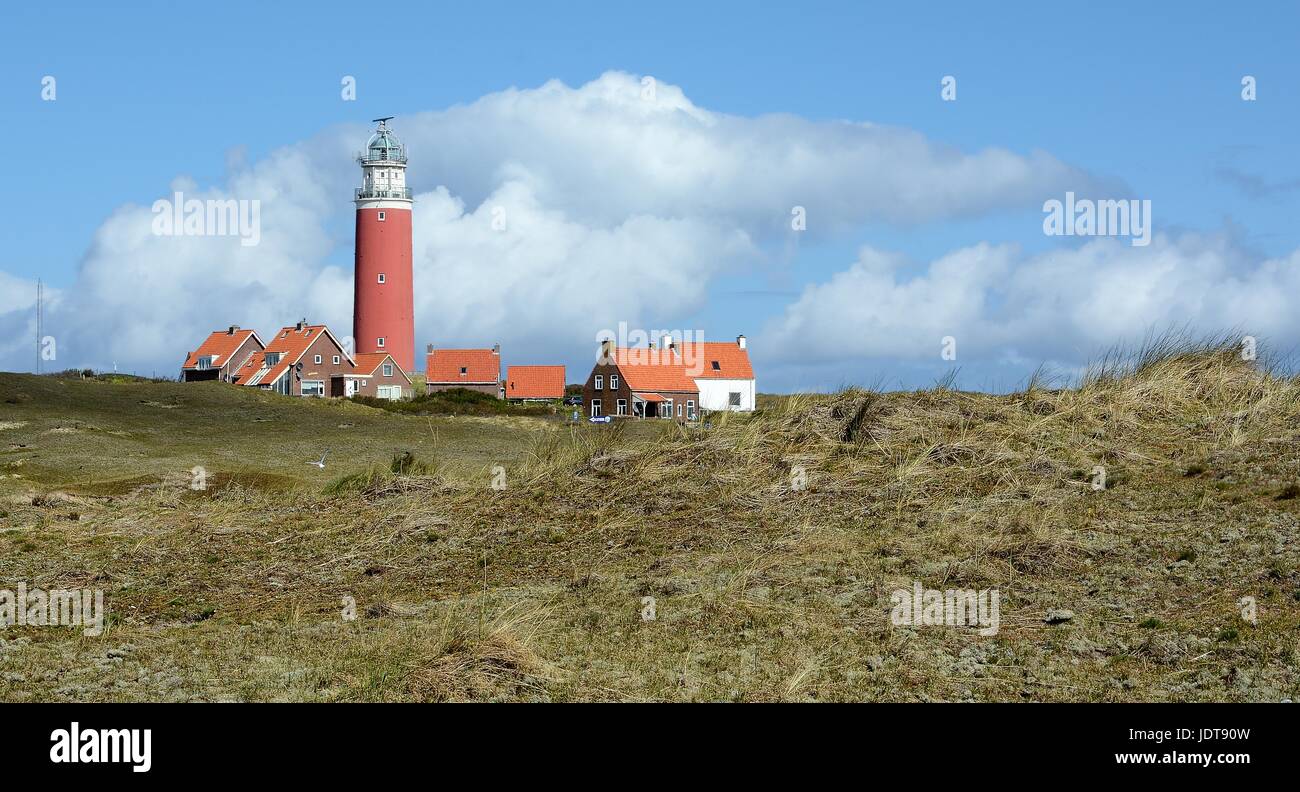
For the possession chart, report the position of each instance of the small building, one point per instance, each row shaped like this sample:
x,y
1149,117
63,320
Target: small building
x,y
376,375
221,355
300,360
640,382
473,369
534,383
723,373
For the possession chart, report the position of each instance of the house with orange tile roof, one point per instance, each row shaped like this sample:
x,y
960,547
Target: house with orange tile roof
x,y
299,360
221,355
724,374
673,380
534,383
376,375
473,369
640,382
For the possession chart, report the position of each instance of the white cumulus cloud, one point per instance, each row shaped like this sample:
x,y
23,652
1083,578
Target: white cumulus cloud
x,y
620,204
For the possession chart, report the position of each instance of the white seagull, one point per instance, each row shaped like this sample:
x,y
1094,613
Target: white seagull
x,y
321,463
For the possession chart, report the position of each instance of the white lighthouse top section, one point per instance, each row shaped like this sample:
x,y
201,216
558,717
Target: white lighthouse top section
x,y
383,170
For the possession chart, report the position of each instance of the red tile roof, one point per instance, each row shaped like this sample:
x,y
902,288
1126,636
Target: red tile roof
x,y
648,369
535,382
290,343
221,344
369,362
443,367
730,360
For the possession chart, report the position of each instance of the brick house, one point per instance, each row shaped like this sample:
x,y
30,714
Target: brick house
x,y
474,369
300,360
377,375
641,382
221,355
534,383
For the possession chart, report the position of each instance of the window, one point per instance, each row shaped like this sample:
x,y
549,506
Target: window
x,y
271,359
600,382
622,407
679,411
464,370
382,215
313,388
205,362
666,411
317,360
363,383
716,367
613,382
690,409
733,399
388,369
382,279
595,408
381,342
336,360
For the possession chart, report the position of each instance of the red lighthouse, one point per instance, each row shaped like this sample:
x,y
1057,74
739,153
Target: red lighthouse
x,y
383,308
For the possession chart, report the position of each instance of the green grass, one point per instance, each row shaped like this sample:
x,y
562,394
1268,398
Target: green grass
x,y
459,401
763,590
97,437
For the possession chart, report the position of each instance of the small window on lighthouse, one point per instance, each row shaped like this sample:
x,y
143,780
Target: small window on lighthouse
x,y
381,341
382,278
381,216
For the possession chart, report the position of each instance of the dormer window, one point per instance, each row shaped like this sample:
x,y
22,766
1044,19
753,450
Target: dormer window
x,y
716,367
271,359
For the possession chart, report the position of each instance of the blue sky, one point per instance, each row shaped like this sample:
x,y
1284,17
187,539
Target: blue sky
x,y
1146,101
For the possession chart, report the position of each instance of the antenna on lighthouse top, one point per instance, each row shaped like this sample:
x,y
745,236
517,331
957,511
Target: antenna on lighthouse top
x,y
383,122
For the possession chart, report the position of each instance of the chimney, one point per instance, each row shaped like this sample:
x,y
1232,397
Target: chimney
x,y
666,342
301,324
430,349
496,349
740,341
232,329
606,349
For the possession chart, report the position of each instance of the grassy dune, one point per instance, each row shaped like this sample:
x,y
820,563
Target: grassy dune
x,y
763,589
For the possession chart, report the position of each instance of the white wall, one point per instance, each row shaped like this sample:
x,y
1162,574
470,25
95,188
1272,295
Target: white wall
x,y
715,393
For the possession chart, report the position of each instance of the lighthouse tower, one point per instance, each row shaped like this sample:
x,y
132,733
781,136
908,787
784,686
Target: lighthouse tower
x,y
383,308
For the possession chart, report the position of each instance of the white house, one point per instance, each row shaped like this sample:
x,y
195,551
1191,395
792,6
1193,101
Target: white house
x,y
723,373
